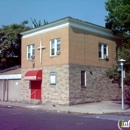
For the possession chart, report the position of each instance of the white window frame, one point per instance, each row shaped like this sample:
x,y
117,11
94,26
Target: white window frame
x,y
32,48
101,48
56,42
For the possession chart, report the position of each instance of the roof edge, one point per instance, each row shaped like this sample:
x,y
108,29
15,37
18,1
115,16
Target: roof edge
x,y
73,23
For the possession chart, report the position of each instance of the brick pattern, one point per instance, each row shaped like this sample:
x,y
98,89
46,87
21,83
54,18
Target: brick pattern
x,y
68,90
83,48
59,93
55,94
25,91
98,88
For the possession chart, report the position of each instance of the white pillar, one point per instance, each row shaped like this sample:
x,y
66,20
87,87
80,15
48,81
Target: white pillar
x,y
122,85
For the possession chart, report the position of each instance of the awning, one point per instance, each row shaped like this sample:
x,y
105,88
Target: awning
x,y
33,75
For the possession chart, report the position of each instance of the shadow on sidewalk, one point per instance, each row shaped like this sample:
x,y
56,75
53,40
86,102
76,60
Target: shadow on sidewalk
x,y
126,103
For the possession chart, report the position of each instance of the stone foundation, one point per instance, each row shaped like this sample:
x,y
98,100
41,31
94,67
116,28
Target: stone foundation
x,y
59,93
68,89
99,87
55,94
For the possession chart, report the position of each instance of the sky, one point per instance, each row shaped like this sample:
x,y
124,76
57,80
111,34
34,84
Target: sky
x,y
16,11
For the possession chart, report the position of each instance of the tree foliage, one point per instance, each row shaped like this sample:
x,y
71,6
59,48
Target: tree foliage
x,y
10,44
119,18
119,15
38,23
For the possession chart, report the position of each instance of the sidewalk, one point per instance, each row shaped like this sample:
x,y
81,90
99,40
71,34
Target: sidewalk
x,y
103,107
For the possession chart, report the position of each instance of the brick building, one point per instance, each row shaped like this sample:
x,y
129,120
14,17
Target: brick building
x,y
64,62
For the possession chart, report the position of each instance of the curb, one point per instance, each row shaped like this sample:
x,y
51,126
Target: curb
x,y
62,111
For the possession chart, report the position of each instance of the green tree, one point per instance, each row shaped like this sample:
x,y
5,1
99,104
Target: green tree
x,y
119,15
119,18
38,24
10,44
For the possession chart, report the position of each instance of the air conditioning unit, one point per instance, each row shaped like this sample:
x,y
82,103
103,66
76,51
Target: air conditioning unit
x,y
32,57
58,52
106,57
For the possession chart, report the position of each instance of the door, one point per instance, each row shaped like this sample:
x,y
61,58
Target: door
x,y
14,90
35,89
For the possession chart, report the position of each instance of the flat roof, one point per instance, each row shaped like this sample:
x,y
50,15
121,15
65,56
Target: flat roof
x,y
72,22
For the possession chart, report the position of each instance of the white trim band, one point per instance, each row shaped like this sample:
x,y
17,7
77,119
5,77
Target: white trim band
x,y
89,27
46,30
11,76
30,77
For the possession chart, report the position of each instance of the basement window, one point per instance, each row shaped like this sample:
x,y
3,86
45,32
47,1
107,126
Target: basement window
x,y
83,79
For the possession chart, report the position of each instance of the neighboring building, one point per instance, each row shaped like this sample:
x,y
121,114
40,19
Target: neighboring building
x,y
64,62
10,84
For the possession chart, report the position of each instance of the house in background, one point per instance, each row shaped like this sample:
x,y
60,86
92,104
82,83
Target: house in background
x,y
10,84
64,62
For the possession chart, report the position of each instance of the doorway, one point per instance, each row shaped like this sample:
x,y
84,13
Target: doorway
x,y
35,90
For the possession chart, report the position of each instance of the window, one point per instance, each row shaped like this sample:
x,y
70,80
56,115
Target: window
x,y
53,78
55,47
103,51
30,51
52,47
83,78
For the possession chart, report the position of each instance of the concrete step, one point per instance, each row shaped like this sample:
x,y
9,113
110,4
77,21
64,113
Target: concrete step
x,y
35,101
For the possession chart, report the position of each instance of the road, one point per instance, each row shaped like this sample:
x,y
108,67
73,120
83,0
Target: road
x,y
14,118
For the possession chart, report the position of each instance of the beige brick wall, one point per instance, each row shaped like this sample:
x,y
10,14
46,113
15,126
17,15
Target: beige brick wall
x,y
83,48
63,58
77,47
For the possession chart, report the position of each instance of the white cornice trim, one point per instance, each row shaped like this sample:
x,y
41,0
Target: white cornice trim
x,y
98,30
11,76
46,30
91,28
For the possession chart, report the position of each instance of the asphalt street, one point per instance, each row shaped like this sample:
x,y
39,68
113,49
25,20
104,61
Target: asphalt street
x,y
15,118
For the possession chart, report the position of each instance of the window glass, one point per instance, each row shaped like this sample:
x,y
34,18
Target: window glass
x,y
58,47
33,52
83,80
52,44
30,51
103,50
29,55
100,51
58,44
54,47
33,49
